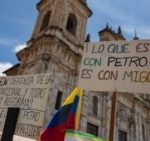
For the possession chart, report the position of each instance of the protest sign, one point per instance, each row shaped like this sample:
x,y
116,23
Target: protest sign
x,y
116,66
30,94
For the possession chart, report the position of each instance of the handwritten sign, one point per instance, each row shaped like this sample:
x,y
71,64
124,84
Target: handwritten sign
x,y
116,65
30,94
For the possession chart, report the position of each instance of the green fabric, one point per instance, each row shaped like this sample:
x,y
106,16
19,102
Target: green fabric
x,y
72,135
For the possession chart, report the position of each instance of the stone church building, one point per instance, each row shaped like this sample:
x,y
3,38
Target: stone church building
x,y
56,46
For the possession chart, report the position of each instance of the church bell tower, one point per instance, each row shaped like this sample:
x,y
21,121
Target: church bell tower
x,y
55,46
57,39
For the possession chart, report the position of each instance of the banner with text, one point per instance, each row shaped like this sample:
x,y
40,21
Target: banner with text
x,y
30,94
116,66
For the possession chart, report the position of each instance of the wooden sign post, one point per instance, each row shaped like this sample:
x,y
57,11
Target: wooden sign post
x,y
113,116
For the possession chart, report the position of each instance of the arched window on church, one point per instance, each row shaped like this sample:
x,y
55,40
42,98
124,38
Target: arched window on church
x,y
95,105
72,24
45,21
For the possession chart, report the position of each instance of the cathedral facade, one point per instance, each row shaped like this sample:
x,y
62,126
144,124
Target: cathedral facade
x,y
55,47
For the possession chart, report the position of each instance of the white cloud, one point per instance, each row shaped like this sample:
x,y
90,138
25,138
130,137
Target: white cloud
x,y
19,47
142,31
113,12
4,66
123,13
8,41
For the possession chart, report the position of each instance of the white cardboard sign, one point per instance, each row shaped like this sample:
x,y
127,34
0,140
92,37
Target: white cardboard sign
x,y
116,66
30,94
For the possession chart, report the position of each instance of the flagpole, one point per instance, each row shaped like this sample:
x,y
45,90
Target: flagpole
x,y
113,116
78,118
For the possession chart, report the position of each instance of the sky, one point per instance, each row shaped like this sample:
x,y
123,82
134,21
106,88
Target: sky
x,y
17,19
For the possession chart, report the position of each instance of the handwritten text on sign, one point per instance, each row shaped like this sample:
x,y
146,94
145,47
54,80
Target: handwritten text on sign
x,y
116,65
30,94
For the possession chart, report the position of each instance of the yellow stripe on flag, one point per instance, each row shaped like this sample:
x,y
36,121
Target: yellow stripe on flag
x,y
70,99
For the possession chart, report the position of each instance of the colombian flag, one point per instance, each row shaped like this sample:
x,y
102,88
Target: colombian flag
x,y
67,117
